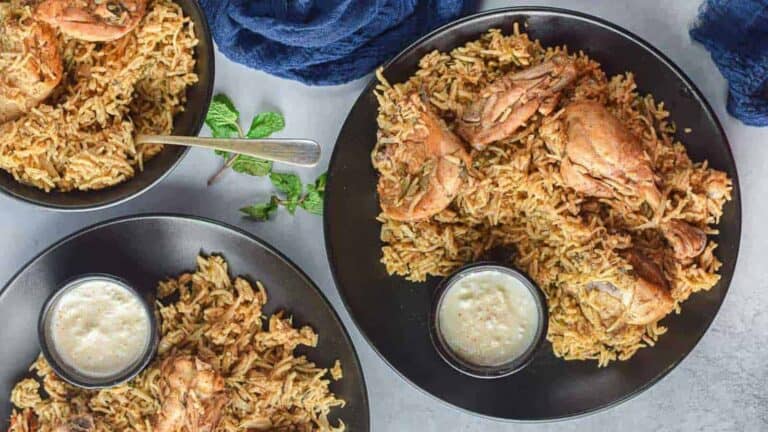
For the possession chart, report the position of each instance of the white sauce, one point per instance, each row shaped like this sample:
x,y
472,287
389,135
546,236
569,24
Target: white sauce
x,y
99,328
488,318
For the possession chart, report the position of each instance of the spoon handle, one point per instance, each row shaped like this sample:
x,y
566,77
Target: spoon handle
x,y
301,152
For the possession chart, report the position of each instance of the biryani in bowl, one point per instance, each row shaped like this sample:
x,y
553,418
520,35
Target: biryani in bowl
x,y
79,79
503,143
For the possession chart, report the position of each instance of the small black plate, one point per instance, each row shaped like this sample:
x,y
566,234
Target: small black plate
x,y
145,249
393,313
186,123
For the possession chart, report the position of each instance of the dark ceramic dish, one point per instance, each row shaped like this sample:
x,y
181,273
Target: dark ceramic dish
x,y
390,311
143,250
187,123
476,371
73,376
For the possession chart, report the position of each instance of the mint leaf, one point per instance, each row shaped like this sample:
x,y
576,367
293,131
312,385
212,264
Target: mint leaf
x,y
227,105
222,118
291,204
265,124
225,131
261,211
290,185
320,182
248,164
252,166
313,201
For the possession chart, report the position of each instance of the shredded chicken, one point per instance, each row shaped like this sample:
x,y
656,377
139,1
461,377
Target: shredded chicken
x,y
193,396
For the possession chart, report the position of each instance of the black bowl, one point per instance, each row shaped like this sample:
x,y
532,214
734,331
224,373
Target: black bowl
x,y
390,311
75,377
478,371
188,123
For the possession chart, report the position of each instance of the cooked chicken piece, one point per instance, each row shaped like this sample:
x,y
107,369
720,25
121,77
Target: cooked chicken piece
x,y
651,300
687,240
92,20
434,159
193,396
576,177
77,423
36,67
508,102
648,300
600,156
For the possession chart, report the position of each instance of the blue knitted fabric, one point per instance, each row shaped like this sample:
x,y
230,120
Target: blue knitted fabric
x,y
322,42
736,34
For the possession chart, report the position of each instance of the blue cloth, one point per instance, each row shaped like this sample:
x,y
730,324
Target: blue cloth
x,y
736,34
322,42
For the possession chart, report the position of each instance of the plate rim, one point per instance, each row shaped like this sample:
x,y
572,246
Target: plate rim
x,y
216,224
660,56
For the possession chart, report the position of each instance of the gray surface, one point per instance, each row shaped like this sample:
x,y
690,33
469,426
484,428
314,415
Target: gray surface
x,y
721,386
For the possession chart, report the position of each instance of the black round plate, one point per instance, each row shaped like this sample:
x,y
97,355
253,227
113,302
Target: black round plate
x,y
392,313
186,123
146,249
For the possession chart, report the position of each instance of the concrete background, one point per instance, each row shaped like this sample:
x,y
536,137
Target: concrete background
x,y
721,386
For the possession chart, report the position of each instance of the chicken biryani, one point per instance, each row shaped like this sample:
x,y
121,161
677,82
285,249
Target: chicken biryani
x,y
221,365
503,144
79,79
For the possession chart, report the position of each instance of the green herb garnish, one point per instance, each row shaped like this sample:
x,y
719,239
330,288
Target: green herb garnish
x,y
313,199
223,117
224,121
261,212
265,124
252,166
290,186
291,196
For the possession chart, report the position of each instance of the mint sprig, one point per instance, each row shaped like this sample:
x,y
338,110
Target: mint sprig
x,y
223,118
265,124
224,121
313,199
252,166
291,196
262,211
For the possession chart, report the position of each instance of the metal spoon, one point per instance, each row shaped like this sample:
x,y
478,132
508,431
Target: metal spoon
x,y
300,152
